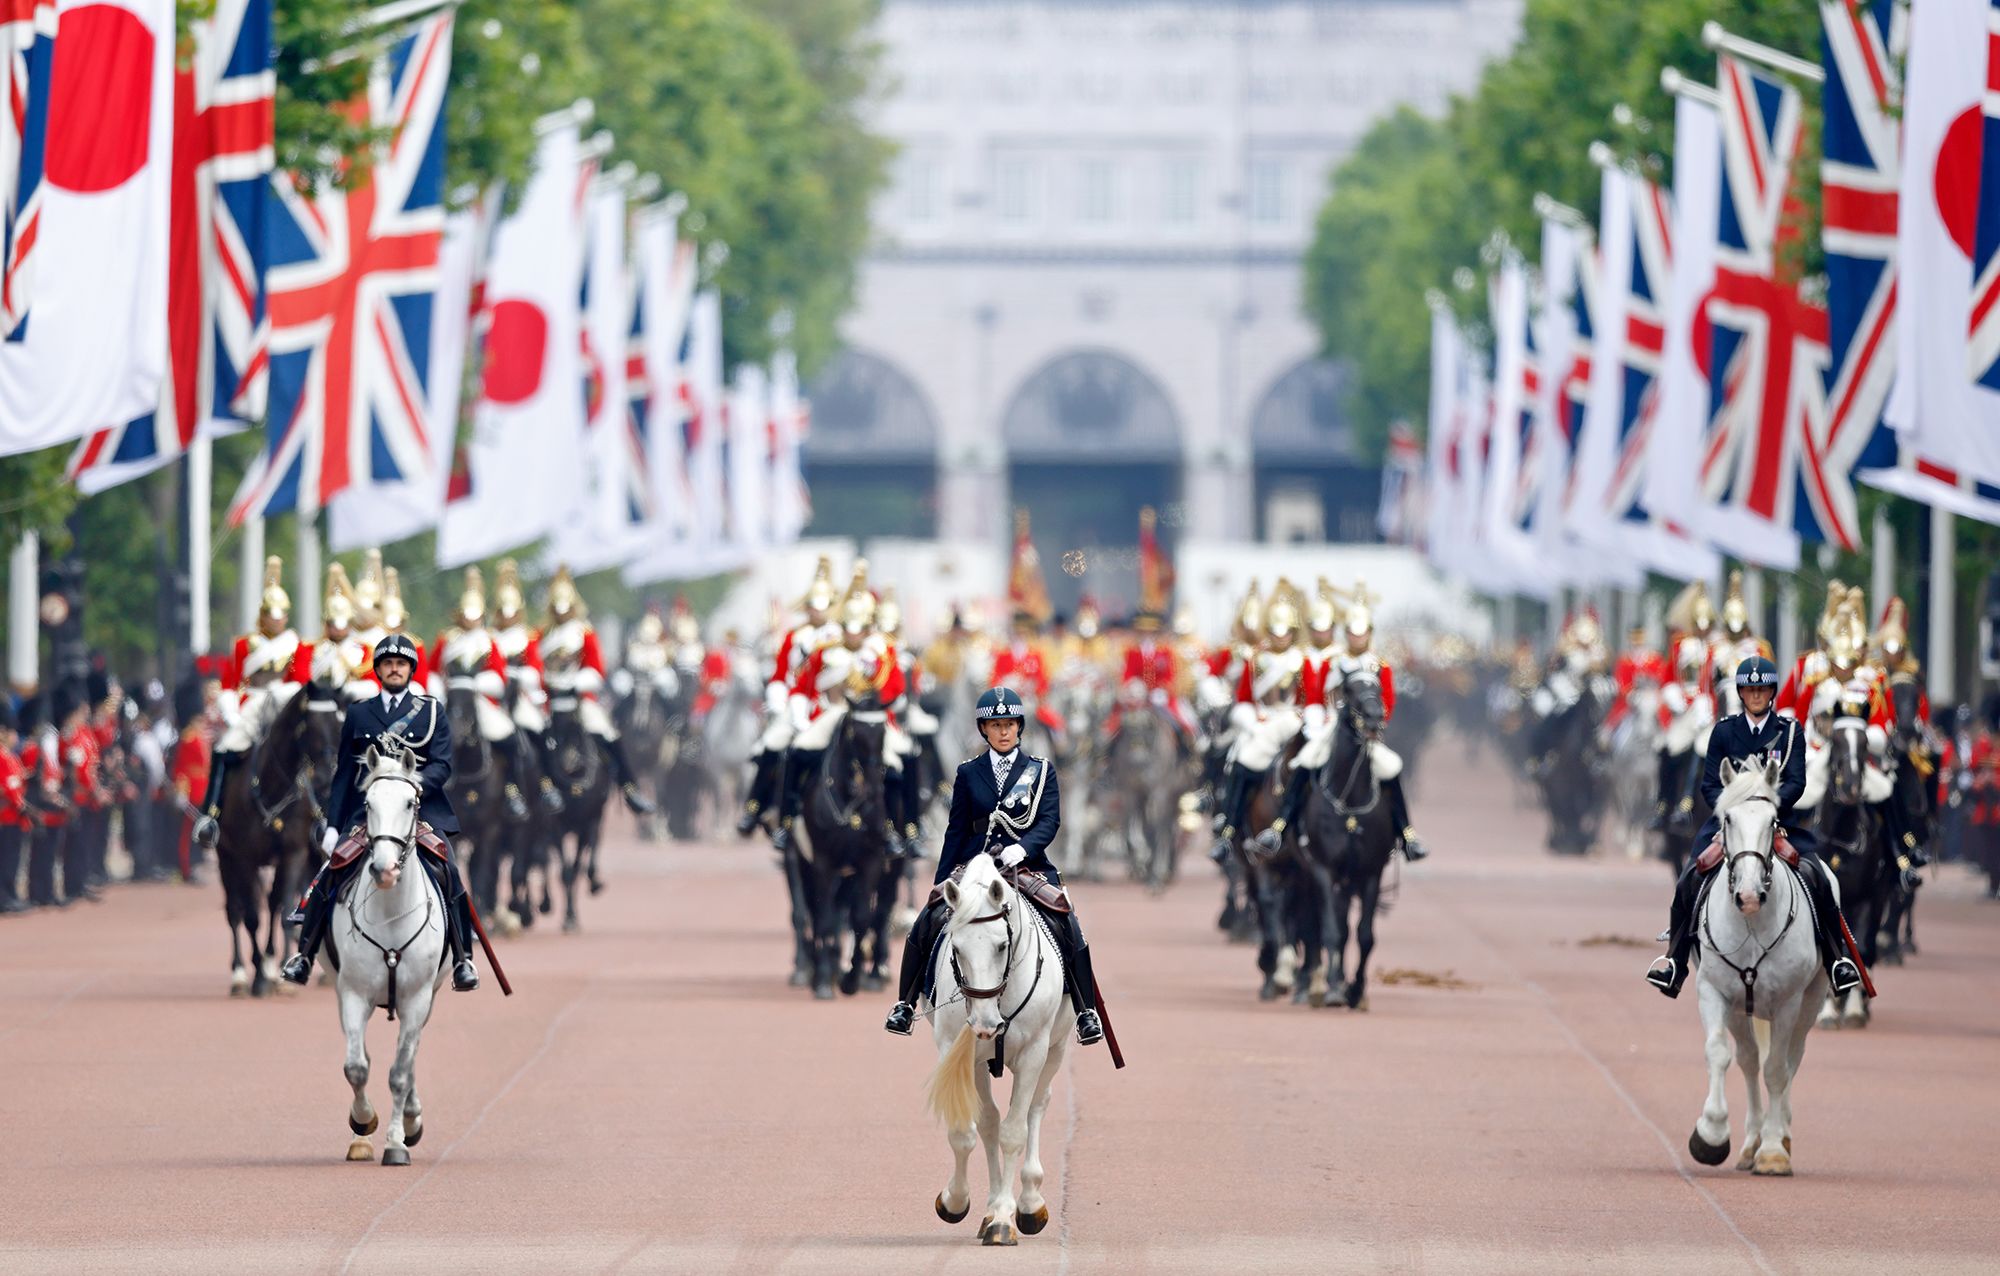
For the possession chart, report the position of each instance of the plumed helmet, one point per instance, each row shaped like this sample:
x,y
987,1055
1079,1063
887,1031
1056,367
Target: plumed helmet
x,y
1000,704
96,687
686,629
1281,616
1184,623
889,612
1583,631
1323,615
1844,636
368,591
857,606
1735,612
393,615
188,700
1892,637
1250,616
1836,597
275,608
1360,613
337,609
69,698
1757,671
472,599
819,594
564,601
508,600
394,645
650,629
1088,622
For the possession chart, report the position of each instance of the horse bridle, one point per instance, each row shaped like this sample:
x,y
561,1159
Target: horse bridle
x,y
1368,734
405,841
1005,917
1769,857
1748,974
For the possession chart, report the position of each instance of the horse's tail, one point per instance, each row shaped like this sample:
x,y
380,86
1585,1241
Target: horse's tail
x,y
951,1095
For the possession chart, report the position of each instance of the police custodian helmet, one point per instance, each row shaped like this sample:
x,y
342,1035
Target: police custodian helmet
x,y
999,704
1757,671
394,645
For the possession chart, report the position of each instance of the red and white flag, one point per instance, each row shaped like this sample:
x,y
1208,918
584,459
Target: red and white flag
x,y
791,503
93,349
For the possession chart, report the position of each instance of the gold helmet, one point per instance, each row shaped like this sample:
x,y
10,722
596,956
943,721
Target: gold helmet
x,y
368,591
338,608
564,602
1360,612
508,601
1844,635
472,602
857,606
1892,636
889,613
1323,616
819,599
1836,595
1583,631
1690,611
1735,613
651,630
1249,624
275,609
393,615
1281,616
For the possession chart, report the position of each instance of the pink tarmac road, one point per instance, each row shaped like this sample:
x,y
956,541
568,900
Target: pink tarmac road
x,y
656,1099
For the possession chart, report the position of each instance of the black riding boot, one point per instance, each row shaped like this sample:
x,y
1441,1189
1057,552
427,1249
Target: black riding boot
x,y
1841,969
314,912
458,920
1399,816
1293,808
543,747
1238,788
11,838
916,962
904,805
621,769
1663,792
763,790
205,826
1081,983
800,764
1671,971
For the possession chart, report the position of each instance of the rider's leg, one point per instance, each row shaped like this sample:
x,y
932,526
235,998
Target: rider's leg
x,y
1298,784
1840,967
1399,816
763,789
800,765
458,919
315,909
1669,972
1663,794
1082,984
1238,790
515,752
621,770
205,827
917,949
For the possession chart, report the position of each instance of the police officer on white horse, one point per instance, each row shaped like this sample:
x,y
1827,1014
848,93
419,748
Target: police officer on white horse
x,y
404,711
1008,804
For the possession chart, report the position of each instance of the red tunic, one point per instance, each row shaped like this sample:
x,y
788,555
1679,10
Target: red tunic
x,y
1152,669
191,763
81,755
1633,668
715,678
44,767
13,791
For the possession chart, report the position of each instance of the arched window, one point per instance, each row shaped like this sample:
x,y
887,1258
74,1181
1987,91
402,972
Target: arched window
x,y
1091,405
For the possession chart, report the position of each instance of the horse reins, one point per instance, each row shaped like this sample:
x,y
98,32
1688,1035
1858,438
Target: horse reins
x,y
998,1062
1770,858
393,957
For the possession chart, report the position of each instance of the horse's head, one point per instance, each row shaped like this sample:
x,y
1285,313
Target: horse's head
x,y
982,936
392,792
1361,702
1846,761
319,736
1748,812
1906,705
855,766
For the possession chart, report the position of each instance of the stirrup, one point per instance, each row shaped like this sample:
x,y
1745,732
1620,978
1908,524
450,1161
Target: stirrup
x,y
206,831
1845,976
463,977
639,803
1413,850
902,1018
1663,974
746,823
296,970
1089,1030
517,807
552,800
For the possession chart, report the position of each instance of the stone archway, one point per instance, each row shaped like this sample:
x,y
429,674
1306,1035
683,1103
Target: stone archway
x,y
1311,482
1090,438
871,460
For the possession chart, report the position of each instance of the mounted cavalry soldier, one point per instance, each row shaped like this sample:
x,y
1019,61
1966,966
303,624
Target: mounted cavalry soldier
x,y
795,651
573,666
1006,804
1756,736
403,711
1736,643
1265,717
1840,652
912,728
263,672
1023,663
527,699
334,661
466,657
1687,713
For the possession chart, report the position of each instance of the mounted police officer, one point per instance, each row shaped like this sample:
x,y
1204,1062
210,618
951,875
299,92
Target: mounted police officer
x,y
1007,804
403,711
1756,735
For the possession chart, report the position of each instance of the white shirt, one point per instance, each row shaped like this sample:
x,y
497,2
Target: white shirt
x,y
392,701
1002,764
1756,724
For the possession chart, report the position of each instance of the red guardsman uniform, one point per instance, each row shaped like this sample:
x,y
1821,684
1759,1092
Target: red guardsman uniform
x,y
1640,664
13,792
82,754
44,767
714,680
1019,664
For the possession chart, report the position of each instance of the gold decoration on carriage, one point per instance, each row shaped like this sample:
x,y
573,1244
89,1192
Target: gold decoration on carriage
x,y
472,599
368,591
274,608
393,615
818,597
508,600
1735,612
337,605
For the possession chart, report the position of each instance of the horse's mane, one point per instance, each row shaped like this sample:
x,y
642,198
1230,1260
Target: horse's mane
x,y
1747,784
973,884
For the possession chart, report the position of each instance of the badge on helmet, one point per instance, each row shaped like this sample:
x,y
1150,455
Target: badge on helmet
x,y
395,645
1757,671
1000,704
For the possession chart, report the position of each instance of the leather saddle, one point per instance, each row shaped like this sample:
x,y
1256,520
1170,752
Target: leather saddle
x,y
355,844
1041,892
1709,859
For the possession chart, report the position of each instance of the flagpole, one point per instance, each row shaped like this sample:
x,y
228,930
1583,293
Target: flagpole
x,y
250,574
1882,568
24,624
200,486
1680,85
1942,664
1715,36
305,605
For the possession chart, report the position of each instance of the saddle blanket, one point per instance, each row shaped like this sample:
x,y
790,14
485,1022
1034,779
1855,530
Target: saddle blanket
x,y
1709,859
355,844
1036,886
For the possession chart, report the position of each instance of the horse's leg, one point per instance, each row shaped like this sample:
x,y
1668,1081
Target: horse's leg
x,y
1709,1143
1774,1151
1364,943
1318,962
260,980
1336,940
1271,917
1031,1212
989,1135
1750,1061
1014,1143
825,931
355,1008
413,1011
956,1199
232,907
795,883
569,853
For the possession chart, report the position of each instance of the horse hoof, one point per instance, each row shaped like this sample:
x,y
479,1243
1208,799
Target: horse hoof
x,y
949,1216
874,981
1705,1152
1301,995
1773,1165
1032,1224
374,1122
849,985
1268,992
361,1150
239,988
571,925
413,1133
1748,1160
1316,998
260,986
822,992
798,979
1000,1232
396,1156
1359,1007
596,887
548,905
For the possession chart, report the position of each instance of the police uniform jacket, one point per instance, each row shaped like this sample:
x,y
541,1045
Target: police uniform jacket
x,y
427,731
1032,794
1781,737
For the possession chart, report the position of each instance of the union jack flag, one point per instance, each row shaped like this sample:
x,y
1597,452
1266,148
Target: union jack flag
x,y
1985,319
1645,344
27,54
353,273
1770,453
216,331
638,412
1575,391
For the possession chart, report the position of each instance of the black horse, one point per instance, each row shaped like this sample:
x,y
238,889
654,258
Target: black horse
x,y
1140,779
1348,838
1850,834
836,871
270,807
1912,810
479,778
1568,766
582,773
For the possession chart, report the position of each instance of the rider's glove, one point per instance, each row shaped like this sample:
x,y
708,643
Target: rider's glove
x,y
328,841
1011,856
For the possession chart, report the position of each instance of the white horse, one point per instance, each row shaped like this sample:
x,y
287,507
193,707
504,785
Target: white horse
x,y
1635,766
388,930
1760,977
999,988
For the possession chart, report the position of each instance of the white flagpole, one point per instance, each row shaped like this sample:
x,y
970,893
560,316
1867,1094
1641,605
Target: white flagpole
x,y
305,602
250,574
24,622
201,483
1942,664
1882,568
1787,641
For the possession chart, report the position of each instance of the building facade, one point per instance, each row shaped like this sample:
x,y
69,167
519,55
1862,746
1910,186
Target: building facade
x,y
1085,294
